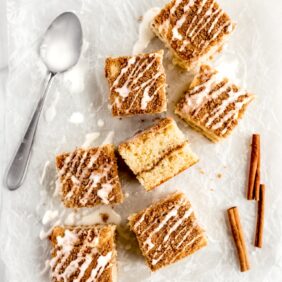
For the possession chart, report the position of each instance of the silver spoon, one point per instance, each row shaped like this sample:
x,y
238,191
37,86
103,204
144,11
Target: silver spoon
x,y
59,50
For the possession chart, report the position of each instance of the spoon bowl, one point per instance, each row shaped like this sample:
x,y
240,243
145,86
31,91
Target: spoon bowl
x,y
61,46
60,50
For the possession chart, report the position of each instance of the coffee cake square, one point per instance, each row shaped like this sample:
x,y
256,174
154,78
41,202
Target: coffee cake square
x,y
85,253
137,84
158,153
89,177
167,231
213,105
193,30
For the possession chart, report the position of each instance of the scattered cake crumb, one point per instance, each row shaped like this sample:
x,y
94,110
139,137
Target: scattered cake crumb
x,y
201,171
219,175
105,217
139,19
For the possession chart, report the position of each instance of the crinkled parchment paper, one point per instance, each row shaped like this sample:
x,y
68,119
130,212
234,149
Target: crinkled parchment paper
x,y
78,100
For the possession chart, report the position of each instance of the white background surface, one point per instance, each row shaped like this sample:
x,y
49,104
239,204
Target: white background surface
x,y
252,57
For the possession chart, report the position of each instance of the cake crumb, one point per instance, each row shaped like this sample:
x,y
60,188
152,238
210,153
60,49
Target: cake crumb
x,y
139,19
104,217
218,175
201,171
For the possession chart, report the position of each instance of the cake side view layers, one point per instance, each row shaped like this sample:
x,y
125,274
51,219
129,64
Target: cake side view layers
x,y
157,153
167,231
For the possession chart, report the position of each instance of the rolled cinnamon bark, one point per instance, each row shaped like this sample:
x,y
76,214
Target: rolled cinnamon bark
x,y
238,237
257,178
260,217
253,166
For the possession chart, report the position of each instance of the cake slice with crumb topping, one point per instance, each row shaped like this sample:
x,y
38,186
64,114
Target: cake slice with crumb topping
x,y
193,30
84,253
137,84
89,177
167,231
213,105
158,153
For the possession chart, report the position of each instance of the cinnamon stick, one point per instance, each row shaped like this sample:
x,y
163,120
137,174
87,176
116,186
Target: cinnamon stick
x,y
260,217
253,166
238,237
257,178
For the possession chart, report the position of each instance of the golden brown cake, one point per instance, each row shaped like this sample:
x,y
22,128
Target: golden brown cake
x,y
167,231
137,84
83,254
88,177
213,105
193,30
158,153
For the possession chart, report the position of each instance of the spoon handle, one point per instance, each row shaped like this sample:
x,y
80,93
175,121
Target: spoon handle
x,y
18,167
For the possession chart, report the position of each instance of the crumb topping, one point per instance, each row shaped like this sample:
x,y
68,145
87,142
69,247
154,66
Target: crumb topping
x,y
137,84
192,27
214,102
88,177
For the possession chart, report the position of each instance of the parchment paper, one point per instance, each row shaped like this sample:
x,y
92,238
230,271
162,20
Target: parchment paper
x,y
252,58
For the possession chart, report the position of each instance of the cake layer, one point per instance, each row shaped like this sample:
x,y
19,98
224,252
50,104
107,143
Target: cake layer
x,y
88,177
137,84
174,162
167,231
193,30
147,148
83,254
213,105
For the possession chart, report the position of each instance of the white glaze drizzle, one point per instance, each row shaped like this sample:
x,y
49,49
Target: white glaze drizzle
x,y
232,115
102,263
43,175
165,25
180,22
196,26
171,214
95,178
165,242
219,110
66,245
131,83
145,32
197,98
156,260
